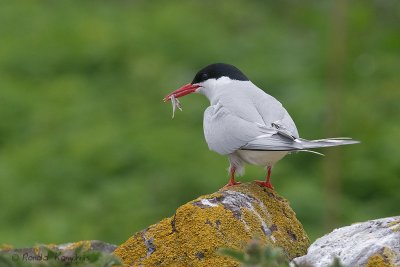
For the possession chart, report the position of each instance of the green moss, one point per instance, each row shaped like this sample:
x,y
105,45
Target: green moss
x,y
199,228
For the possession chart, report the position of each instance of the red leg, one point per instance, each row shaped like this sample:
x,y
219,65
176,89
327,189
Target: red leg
x,y
232,178
267,182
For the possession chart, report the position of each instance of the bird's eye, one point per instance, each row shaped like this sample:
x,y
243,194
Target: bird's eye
x,y
204,76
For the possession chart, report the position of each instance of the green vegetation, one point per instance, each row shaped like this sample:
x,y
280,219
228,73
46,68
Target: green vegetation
x,y
257,254
88,149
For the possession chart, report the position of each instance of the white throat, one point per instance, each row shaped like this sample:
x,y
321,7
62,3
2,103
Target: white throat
x,y
213,88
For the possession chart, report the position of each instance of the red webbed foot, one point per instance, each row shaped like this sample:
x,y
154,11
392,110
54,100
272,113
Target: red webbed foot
x,y
232,179
267,182
231,183
264,184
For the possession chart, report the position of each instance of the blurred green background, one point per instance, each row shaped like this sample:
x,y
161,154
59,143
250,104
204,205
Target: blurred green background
x,y
88,150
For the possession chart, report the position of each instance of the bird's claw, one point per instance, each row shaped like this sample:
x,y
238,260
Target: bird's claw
x,y
264,184
231,184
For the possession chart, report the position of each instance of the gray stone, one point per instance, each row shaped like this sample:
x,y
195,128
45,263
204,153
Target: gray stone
x,y
371,243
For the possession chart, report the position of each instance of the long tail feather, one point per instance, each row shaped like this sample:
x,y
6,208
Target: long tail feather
x,y
309,144
312,151
282,143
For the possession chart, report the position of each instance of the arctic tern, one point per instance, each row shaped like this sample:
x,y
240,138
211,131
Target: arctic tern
x,y
245,123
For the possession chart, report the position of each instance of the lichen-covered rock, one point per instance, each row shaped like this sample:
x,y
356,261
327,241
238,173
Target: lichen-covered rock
x,y
371,243
228,218
81,253
86,245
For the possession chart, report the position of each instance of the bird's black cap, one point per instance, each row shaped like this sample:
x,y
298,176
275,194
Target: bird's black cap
x,y
218,70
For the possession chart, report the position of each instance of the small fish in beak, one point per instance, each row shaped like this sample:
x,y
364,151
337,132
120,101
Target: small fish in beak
x,y
184,90
175,104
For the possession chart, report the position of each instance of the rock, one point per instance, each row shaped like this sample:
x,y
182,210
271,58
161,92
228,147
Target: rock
x,y
228,218
371,243
87,245
60,255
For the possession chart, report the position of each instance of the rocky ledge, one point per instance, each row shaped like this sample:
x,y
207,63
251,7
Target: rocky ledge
x,y
372,243
81,253
228,219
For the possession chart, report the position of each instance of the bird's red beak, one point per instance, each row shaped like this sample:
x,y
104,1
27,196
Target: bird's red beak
x,y
184,90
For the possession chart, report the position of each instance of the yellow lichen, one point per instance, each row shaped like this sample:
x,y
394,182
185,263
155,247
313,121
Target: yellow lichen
x,y
193,235
393,223
133,249
394,226
290,234
377,261
52,246
36,250
385,258
6,247
85,244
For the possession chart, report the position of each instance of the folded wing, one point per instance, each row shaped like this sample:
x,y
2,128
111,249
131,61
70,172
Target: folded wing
x,y
225,133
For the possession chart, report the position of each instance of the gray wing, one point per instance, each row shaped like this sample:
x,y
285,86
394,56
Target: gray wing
x,y
250,103
272,112
226,132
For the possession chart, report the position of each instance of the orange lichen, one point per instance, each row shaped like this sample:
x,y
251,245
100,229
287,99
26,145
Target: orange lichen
x,y
229,218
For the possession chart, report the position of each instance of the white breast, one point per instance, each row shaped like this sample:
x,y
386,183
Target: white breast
x,y
261,158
